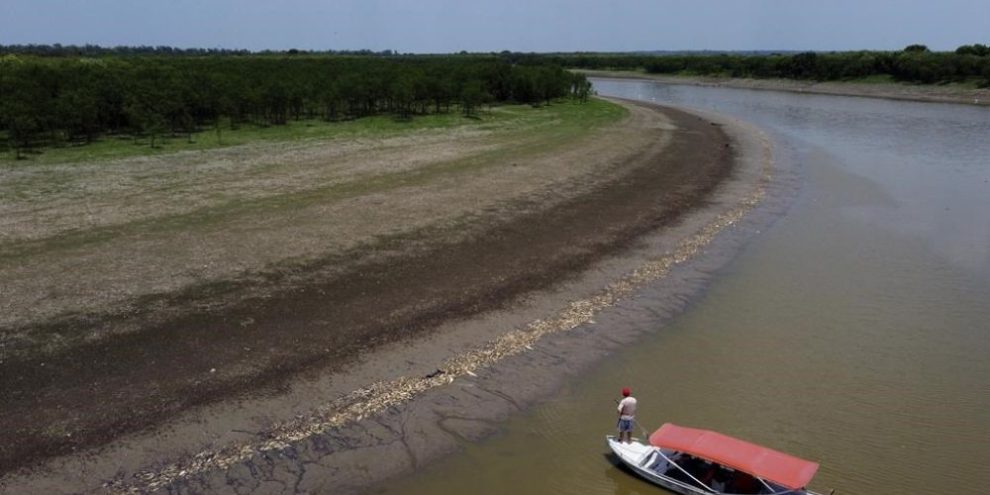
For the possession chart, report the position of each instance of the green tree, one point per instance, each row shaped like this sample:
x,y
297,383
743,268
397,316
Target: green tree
x,y
330,99
471,97
23,129
145,113
581,88
77,113
402,95
21,107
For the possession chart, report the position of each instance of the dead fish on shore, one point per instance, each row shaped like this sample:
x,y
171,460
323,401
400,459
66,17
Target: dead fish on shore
x,y
434,374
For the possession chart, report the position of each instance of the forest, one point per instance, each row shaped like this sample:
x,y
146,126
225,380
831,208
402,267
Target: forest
x,y
55,97
914,64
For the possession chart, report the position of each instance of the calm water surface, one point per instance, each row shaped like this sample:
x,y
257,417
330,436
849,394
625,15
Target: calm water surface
x,y
855,331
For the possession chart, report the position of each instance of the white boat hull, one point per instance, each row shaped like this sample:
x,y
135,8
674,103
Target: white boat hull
x,y
645,461
640,458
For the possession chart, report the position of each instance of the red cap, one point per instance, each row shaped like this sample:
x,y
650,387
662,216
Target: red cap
x,y
626,391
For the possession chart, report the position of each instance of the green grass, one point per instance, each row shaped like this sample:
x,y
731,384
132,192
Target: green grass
x,y
511,117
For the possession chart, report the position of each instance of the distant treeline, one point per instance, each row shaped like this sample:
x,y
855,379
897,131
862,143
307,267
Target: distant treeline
x,y
58,50
915,64
50,100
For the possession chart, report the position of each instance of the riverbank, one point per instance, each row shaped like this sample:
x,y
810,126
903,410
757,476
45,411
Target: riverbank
x,y
887,90
550,267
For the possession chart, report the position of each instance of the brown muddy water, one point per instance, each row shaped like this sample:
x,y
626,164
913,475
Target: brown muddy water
x,y
854,331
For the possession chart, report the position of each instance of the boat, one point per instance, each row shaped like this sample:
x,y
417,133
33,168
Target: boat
x,y
701,462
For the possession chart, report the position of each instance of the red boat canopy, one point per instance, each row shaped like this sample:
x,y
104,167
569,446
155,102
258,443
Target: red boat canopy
x,y
780,468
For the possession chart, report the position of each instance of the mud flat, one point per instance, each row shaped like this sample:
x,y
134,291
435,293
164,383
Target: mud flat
x,y
368,362
891,91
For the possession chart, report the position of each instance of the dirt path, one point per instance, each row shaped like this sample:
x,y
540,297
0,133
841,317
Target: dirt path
x,y
467,240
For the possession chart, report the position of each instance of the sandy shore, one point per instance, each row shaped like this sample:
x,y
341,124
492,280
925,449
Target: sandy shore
x,y
909,92
434,345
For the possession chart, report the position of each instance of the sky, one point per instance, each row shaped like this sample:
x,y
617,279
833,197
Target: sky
x,y
445,26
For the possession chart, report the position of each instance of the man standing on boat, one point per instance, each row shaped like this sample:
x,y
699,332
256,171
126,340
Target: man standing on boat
x,y
627,414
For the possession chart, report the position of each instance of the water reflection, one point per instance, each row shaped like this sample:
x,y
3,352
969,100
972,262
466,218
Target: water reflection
x,y
934,159
624,481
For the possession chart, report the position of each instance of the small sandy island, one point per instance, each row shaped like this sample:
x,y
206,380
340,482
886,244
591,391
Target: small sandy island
x,y
320,317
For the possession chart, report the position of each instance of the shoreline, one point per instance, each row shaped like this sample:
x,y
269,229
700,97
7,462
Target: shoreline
x,y
891,91
479,386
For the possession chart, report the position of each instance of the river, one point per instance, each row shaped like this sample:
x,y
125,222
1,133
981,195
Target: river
x,y
854,330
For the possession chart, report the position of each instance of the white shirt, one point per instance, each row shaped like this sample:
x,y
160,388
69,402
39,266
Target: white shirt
x,y
627,408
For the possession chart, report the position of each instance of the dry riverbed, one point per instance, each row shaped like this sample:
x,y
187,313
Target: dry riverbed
x,y
218,321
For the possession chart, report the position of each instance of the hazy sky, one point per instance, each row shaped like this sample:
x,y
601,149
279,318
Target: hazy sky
x,y
489,25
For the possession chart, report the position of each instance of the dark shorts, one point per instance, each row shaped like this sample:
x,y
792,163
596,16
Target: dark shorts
x,y
625,425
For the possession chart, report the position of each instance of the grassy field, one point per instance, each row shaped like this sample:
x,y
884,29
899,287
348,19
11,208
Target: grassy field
x,y
565,112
